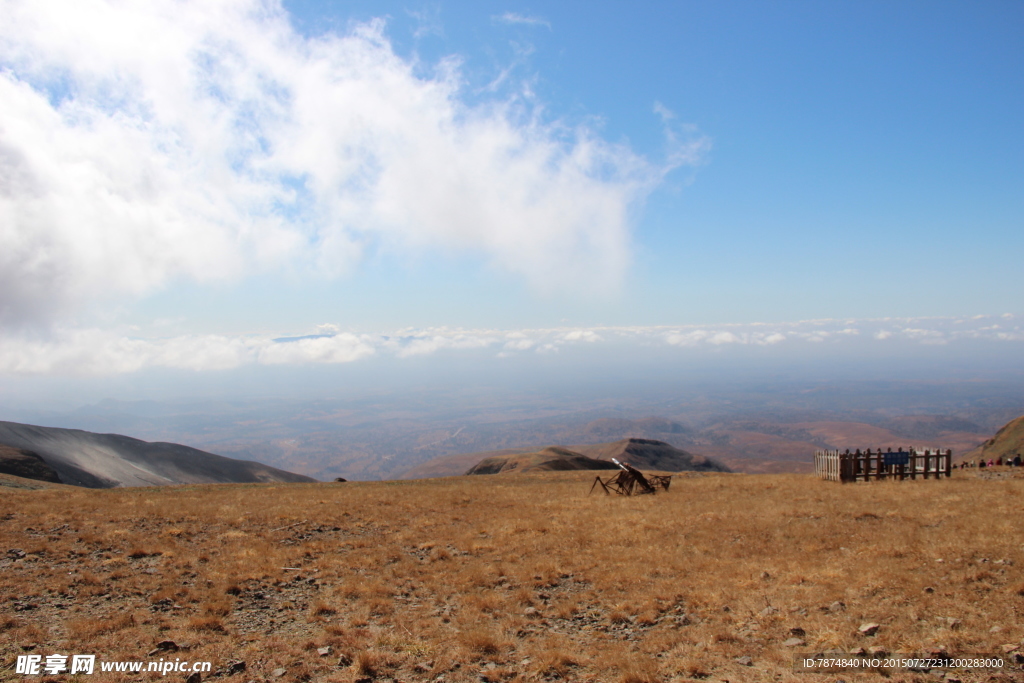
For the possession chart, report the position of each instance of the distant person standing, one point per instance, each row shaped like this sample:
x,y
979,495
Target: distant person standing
x,y
1016,460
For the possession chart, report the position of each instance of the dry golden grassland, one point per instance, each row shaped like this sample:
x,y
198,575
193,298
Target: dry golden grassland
x,y
515,578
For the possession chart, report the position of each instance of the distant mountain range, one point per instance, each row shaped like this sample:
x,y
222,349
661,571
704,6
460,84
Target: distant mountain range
x,y
81,458
644,454
761,427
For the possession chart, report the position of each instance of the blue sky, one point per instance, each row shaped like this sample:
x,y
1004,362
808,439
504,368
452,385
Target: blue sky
x,y
845,137
184,184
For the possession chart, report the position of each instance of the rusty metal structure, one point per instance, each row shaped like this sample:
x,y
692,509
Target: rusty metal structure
x,y
631,481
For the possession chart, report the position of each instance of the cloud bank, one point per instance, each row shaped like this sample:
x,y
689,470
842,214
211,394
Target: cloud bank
x,y
95,352
141,143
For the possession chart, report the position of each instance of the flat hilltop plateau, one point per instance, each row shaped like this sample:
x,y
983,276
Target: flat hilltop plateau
x,y
724,577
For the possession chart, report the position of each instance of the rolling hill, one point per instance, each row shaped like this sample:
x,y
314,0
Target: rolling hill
x,y
23,463
95,460
1008,441
649,454
552,458
644,454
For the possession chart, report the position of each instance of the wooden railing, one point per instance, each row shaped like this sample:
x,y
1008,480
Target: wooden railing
x,y
898,464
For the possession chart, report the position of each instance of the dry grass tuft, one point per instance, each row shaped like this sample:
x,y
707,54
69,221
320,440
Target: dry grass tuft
x,y
369,663
322,609
85,629
482,642
206,623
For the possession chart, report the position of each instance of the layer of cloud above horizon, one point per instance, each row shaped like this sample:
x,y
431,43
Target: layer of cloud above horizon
x,y
147,143
97,352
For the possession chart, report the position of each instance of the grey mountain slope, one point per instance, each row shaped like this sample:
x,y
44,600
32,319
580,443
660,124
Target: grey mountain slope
x,y
108,460
19,462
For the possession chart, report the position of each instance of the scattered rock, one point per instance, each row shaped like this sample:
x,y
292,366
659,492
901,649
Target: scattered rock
x,y
768,611
877,651
837,606
168,646
995,629
797,631
423,667
324,651
277,673
745,661
531,612
929,589
194,677
28,647
869,628
953,623
16,553
858,652
1010,647
236,667
765,576
344,660
794,642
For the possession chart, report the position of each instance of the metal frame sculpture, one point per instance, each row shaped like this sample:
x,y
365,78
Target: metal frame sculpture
x,y
631,481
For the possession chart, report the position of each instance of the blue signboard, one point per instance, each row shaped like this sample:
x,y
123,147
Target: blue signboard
x,y
891,459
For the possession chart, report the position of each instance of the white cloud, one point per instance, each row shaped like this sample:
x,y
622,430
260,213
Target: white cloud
x,y
580,336
516,18
719,338
432,341
97,352
141,143
929,336
339,348
689,338
519,344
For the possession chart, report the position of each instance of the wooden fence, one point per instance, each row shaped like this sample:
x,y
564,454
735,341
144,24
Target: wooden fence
x,y
867,465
